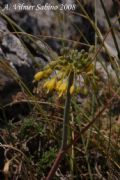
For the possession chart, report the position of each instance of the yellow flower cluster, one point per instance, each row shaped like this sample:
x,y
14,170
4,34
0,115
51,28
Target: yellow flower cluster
x,y
57,83
78,63
59,86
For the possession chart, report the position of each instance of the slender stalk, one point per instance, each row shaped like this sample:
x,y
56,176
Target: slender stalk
x,y
66,113
65,130
72,156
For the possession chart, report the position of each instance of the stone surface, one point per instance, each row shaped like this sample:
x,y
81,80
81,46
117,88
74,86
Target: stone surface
x,y
16,57
103,24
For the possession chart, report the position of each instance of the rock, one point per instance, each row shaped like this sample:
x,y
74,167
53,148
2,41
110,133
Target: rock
x,y
46,22
104,27
15,57
103,24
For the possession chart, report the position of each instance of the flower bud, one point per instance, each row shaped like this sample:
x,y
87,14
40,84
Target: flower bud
x,y
62,89
51,84
38,76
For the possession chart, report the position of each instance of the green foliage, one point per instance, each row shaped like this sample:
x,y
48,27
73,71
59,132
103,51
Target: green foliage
x,y
30,127
45,162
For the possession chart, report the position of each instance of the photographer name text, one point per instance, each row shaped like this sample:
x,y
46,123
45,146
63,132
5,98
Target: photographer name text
x,y
39,7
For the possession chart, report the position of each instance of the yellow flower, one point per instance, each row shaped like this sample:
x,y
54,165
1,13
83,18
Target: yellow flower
x,y
62,89
38,76
72,89
48,72
50,84
58,84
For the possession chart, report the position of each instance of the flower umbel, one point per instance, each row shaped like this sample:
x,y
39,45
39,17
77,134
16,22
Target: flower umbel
x,y
58,71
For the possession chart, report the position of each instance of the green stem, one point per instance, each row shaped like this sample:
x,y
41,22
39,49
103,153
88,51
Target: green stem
x,y
65,130
66,113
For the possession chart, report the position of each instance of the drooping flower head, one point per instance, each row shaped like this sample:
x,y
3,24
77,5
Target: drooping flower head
x,y
55,75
